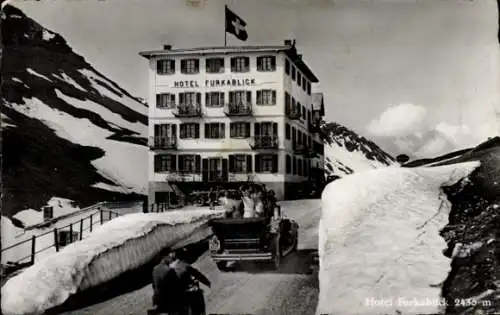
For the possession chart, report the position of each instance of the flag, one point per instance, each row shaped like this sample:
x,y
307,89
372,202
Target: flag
x,y
235,25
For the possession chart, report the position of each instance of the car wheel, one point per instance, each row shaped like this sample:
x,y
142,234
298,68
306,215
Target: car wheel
x,y
277,254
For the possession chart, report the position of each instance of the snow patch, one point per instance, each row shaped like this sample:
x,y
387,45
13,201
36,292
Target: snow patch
x,y
61,206
111,188
47,35
379,240
83,132
119,245
63,76
125,100
33,72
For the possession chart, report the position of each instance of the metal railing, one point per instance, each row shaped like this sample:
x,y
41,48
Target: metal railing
x,y
265,142
98,217
188,110
293,112
238,109
162,143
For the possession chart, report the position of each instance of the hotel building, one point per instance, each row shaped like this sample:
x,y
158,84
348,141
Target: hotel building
x,y
220,116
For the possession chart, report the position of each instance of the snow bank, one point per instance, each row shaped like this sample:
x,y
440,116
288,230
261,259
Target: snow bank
x,y
379,244
122,244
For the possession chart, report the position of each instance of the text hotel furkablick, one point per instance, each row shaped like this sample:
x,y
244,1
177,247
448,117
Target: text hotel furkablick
x,y
215,83
404,301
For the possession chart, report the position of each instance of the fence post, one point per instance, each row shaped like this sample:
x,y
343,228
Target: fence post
x,y
81,229
91,219
71,233
110,213
56,239
101,215
33,249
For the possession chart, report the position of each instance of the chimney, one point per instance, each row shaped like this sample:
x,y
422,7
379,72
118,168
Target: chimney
x,y
167,47
288,42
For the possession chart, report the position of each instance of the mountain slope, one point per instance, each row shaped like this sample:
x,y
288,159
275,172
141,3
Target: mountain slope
x,y
346,152
68,131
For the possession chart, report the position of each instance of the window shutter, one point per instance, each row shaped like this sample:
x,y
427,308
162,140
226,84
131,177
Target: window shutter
x,y
275,129
207,131
256,131
247,62
249,96
233,62
257,163
174,162
198,98
259,97
159,69
273,62
197,164
197,131
231,163
274,97
259,63
221,98
207,99
157,164
158,100
247,130
181,162
174,131
182,98
172,99
232,130
222,127
275,163
249,163
197,65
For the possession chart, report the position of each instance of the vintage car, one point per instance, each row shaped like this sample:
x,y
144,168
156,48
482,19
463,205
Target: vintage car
x,y
252,239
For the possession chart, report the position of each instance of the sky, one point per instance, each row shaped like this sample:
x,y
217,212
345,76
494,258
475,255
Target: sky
x,y
420,77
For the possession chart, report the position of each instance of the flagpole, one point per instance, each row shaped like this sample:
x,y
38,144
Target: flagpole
x,y
225,21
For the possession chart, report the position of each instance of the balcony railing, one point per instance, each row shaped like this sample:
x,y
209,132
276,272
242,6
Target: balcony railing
x,y
293,112
299,148
310,153
238,109
157,143
264,142
188,110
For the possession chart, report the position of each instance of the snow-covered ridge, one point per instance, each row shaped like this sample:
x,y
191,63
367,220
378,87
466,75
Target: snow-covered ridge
x,y
346,152
119,245
379,238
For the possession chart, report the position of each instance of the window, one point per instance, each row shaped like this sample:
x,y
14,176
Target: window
x,y
189,131
288,101
309,88
165,163
214,99
287,132
165,100
190,66
239,130
299,78
215,130
266,129
266,163
189,163
215,65
304,83
240,64
266,97
65,237
293,73
288,164
165,66
299,167
303,112
287,67
190,98
266,63
48,213
240,97
294,166
165,131
240,163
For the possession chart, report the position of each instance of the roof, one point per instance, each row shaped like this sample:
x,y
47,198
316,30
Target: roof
x,y
289,50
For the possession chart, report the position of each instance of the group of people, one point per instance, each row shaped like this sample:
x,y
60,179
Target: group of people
x,y
254,201
172,277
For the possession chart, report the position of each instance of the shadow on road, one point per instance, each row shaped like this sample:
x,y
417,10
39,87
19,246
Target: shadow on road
x,y
125,283
298,262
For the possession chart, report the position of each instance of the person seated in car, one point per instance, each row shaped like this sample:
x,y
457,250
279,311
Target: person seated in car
x,y
248,199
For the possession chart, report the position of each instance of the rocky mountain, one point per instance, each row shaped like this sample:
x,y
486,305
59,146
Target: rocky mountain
x,y
346,152
68,131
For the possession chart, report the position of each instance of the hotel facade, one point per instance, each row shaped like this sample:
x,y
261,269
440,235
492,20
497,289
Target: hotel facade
x,y
220,116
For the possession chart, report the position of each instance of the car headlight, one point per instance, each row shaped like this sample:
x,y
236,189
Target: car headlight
x,y
214,244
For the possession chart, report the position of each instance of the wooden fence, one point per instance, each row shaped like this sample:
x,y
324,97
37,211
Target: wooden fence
x,y
98,217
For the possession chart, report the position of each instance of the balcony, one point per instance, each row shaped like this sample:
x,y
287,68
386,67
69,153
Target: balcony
x,y
310,153
158,143
264,142
238,110
299,149
188,110
293,113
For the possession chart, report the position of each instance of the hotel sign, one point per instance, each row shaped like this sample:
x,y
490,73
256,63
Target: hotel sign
x,y
214,83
